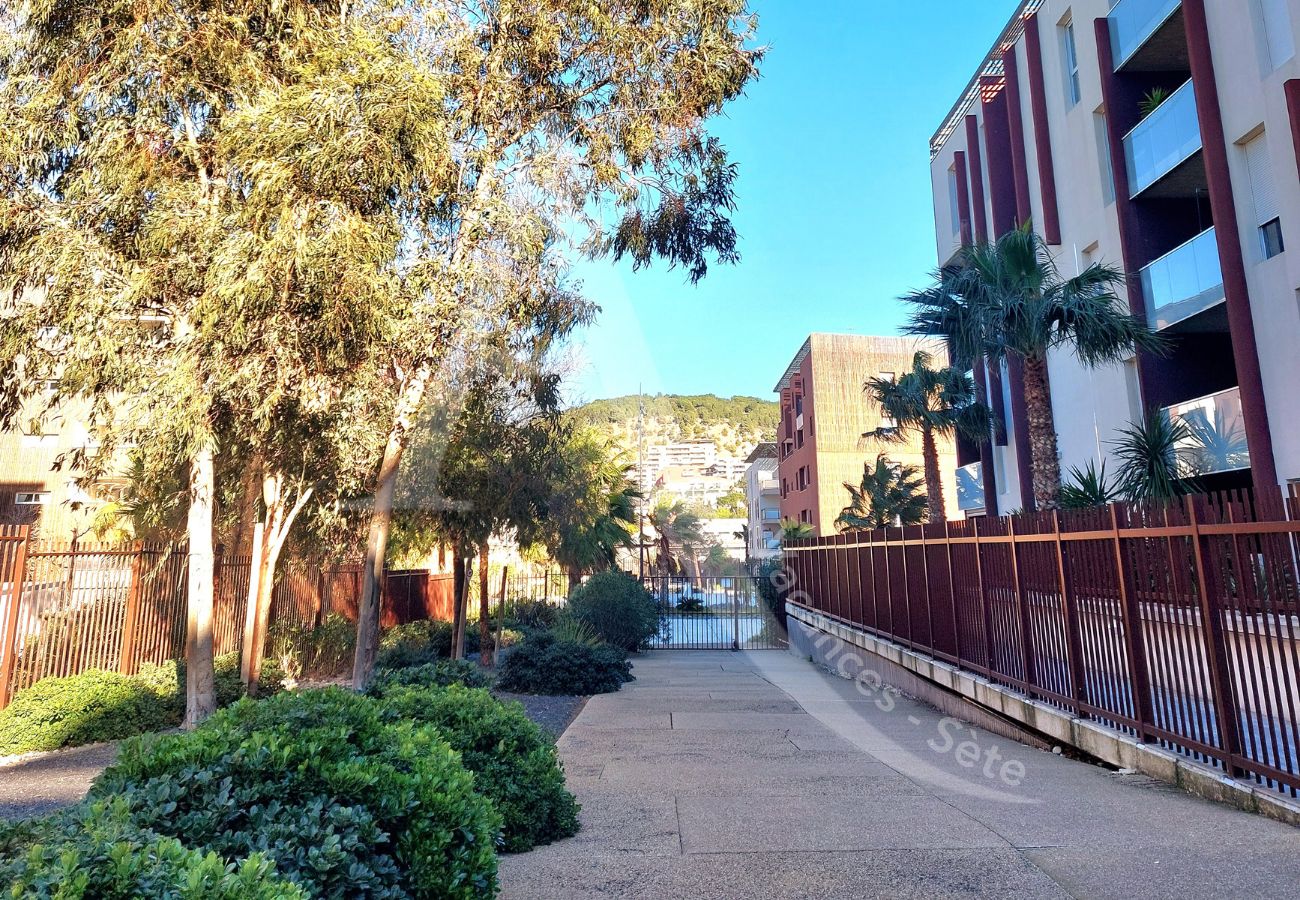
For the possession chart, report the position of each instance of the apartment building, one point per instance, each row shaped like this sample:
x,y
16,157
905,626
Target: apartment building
x,y
763,502
825,413
1160,137
37,488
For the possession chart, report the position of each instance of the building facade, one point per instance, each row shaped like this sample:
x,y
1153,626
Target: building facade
x,y
763,502
1160,137
824,415
38,487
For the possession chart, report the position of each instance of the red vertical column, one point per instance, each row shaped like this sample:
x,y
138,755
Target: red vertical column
x,y
1051,224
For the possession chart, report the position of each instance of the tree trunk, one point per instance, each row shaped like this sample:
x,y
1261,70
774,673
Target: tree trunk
x,y
459,588
484,613
247,650
274,532
372,572
200,688
1043,453
933,480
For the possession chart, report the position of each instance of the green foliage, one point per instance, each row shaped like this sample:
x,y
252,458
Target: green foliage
x,y
796,531
618,608
773,587
544,665
442,673
680,537
345,802
513,760
1152,100
891,493
532,614
692,415
1088,488
593,507
690,603
94,852
575,631
1148,455
319,652
96,706
420,643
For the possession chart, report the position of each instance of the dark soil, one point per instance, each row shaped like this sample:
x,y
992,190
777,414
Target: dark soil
x,y
552,713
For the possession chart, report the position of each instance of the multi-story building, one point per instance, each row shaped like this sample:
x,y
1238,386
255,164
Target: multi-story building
x,y
763,502
1160,137
825,413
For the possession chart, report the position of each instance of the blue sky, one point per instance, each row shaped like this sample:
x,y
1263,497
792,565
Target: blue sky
x,y
835,215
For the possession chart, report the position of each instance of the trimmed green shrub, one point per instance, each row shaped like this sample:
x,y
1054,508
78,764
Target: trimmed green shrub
x,y
442,673
544,665
574,631
345,803
532,614
321,652
99,706
419,643
82,709
618,608
513,760
93,852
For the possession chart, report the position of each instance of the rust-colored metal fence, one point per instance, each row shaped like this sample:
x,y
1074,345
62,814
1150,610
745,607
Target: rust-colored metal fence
x,y
1179,624
69,607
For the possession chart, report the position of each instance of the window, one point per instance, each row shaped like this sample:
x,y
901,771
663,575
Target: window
x,y
771,514
1070,60
1263,191
1273,27
32,498
954,207
1103,157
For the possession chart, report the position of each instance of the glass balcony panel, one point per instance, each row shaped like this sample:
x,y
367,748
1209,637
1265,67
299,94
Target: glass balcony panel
x,y
1215,438
970,487
1183,282
1167,137
1132,22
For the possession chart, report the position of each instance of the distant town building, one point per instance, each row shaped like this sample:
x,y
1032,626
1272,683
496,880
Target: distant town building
x,y
825,413
763,501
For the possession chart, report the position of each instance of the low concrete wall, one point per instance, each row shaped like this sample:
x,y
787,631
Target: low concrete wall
x,y
849,652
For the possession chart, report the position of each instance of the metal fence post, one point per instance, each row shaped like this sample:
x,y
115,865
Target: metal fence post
x,y
1070,616
1134,635
1022,613
1216,653
129,655
9,627
985,613
952,594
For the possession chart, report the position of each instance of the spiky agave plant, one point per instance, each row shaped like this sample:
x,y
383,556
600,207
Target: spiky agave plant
x,y
1089,487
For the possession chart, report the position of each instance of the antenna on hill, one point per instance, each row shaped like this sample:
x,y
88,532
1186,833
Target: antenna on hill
x,y
640,478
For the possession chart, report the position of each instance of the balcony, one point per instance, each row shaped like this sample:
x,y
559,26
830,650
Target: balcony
x,y
970,487
769,486
1163,142
1183,282
1144,35
1215,439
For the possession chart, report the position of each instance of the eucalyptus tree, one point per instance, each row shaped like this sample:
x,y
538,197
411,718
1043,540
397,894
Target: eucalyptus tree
x,y
890,494
1007,299
934,402
203,211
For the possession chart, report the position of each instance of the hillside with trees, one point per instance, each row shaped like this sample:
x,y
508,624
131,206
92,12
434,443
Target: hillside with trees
x,y
734,424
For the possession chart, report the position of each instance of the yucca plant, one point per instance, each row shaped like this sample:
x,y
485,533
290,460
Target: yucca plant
x,y
1149,458
1088,488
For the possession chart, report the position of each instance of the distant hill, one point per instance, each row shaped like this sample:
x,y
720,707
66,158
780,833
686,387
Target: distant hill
x,y
734,424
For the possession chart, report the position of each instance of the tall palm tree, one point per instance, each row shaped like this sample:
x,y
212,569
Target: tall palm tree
x,y
680,537
934,403
1007,300
890,494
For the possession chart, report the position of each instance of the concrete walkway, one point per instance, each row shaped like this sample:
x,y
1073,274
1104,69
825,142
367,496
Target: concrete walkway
x,y
721,775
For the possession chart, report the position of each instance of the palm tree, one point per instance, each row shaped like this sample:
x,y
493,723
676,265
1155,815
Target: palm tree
x,y
890,494
593,511
1007,300
934,403
680,534
795,531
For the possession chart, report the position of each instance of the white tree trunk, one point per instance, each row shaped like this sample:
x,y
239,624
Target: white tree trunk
x,y
200,689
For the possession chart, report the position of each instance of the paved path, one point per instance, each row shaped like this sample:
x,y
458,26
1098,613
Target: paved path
x,y
724,775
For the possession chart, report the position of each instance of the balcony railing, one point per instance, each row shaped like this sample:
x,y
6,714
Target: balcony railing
x,y
1163,140
1215,439
1183,282
768,485
970,487
1133,22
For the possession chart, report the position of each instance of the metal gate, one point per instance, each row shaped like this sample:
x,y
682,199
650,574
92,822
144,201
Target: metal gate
x,y
713,613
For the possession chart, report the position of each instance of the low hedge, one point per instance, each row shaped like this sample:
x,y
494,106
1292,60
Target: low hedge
x,y
98,706
513,760
442,673
618,608
345,802
544,664
93,852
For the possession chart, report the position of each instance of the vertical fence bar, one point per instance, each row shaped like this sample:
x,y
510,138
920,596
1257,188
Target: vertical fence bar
x,y
131,618
952,594
1134,639
1070,620
1225,707
9,627
1027,668
985,612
